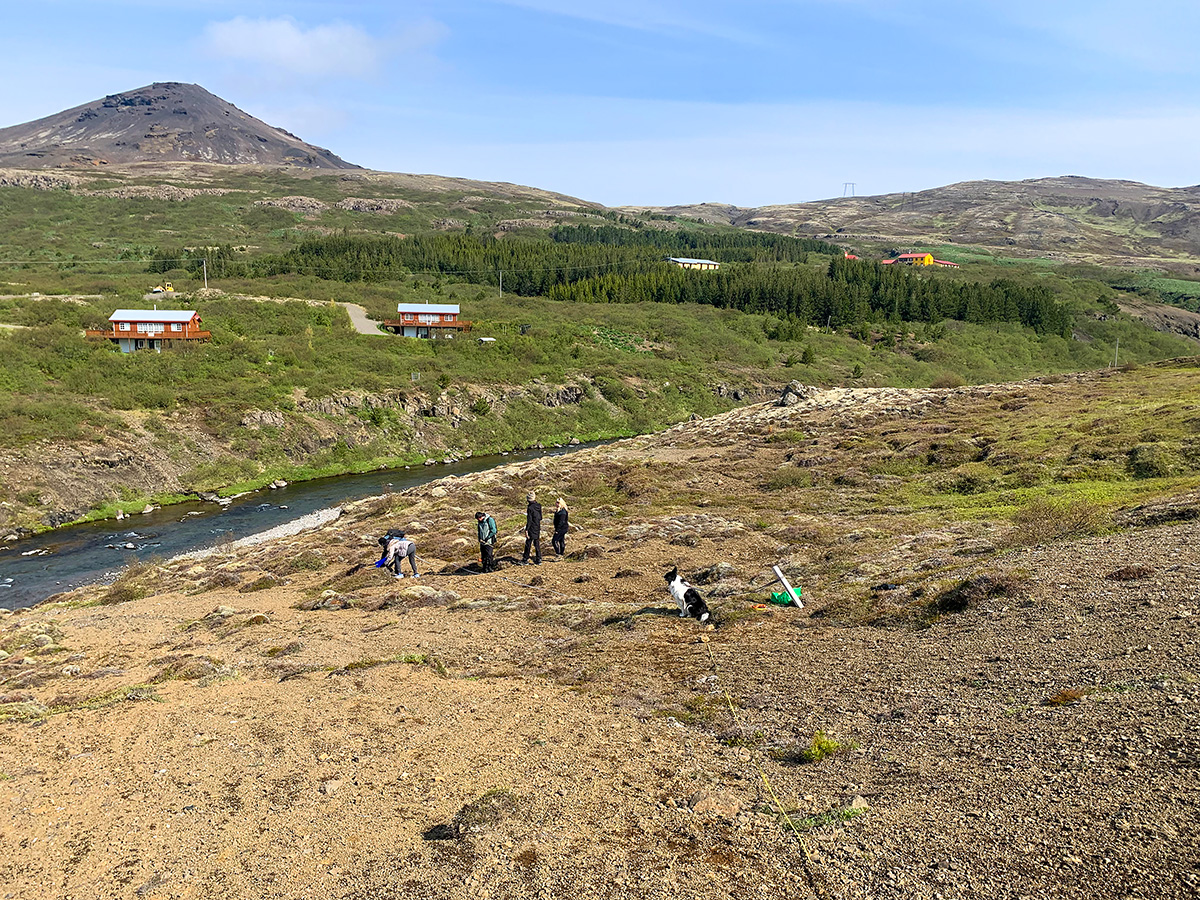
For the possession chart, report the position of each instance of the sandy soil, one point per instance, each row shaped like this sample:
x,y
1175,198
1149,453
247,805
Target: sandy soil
x,y
284,720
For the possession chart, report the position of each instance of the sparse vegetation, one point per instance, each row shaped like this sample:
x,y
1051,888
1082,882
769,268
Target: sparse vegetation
x,y
822,746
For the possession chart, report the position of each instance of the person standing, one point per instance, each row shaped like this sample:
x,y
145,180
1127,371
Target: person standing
x,y
559,540
533,530
486,527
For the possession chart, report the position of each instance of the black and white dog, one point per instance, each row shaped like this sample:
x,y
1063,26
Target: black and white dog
x,y
689,599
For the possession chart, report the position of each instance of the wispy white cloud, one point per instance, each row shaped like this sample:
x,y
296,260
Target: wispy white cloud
x,y
284,45
662,17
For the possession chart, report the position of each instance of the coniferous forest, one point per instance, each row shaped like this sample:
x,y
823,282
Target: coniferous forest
x,y
760,273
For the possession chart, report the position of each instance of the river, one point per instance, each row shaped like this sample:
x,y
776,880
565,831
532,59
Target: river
x,y
33,569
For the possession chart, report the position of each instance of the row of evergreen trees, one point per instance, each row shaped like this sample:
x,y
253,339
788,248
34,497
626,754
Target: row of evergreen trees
x,y
848,292
615,265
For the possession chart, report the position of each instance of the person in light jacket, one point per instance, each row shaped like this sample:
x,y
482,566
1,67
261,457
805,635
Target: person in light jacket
x,y
486,526
397,548
559,540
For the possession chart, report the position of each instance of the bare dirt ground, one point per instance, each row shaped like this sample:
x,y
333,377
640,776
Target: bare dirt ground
x,y
284,720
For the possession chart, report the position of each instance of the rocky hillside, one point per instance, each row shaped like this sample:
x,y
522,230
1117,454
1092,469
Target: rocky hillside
x,y
63,481
963,708
1058,218
162,122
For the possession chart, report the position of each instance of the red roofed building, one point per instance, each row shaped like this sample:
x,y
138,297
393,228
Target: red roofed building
x,y
151,329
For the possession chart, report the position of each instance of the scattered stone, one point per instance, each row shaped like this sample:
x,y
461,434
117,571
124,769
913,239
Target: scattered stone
x,y
796,393
716,802
330,786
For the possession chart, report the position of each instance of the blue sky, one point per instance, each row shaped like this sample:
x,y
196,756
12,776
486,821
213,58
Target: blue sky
x,y
660,101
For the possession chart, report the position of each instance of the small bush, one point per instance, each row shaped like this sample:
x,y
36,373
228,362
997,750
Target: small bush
x,y
1065,697
484,813
1129,573
1154,461
821,747
262,583
787,478
134,583
304,561
973,591
222,579
947,380
1048,520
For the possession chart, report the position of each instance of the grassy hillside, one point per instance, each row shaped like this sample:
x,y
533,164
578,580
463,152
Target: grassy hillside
x,y
581,369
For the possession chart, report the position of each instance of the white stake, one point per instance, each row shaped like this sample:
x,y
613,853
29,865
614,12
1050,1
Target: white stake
x,y
787,587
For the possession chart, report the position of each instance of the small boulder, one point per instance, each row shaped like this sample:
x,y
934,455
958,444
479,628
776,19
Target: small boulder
x,y
715,802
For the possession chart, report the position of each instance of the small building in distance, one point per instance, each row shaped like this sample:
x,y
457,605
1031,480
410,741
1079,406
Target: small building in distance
x,y
151,329
685,262
918,259
427,320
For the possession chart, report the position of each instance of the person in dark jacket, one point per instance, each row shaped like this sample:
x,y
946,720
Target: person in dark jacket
x,y
533,530
559,540
486,527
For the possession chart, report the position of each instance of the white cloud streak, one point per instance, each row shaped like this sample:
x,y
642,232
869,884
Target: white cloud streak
x,y
663,17
284,45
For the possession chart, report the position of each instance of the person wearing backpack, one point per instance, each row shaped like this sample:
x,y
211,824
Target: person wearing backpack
x,y
396,547
486,526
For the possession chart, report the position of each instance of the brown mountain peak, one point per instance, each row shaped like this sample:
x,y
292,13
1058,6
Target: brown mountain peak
x,y
165,121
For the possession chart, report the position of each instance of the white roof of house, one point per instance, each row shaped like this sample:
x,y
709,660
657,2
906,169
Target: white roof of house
x,y
427,308
152,315
688,259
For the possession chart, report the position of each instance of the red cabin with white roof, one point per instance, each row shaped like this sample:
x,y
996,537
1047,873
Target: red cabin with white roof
x,y
151,329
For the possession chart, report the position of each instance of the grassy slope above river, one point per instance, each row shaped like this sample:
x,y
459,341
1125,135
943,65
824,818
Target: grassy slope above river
x,y
288,390
558,732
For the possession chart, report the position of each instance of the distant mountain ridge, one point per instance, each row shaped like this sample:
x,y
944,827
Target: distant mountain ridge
x,y
162,122
1068,216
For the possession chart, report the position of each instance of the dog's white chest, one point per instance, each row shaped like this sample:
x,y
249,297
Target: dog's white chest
x,y
678,588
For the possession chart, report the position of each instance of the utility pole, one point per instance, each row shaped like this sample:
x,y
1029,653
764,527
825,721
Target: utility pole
x,y
205,273
847,186
501,284
1115,352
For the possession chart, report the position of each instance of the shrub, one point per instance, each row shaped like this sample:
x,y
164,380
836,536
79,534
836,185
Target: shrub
x,y
947,380
1065,697
789,477
974,590
134,583
1048,520
484,813
1154,461
1129,573
822,746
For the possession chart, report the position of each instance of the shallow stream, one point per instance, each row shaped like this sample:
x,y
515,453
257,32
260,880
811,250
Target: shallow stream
x,y
33,569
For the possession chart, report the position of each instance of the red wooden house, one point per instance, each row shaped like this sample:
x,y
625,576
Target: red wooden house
x,y
152,329
427,320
